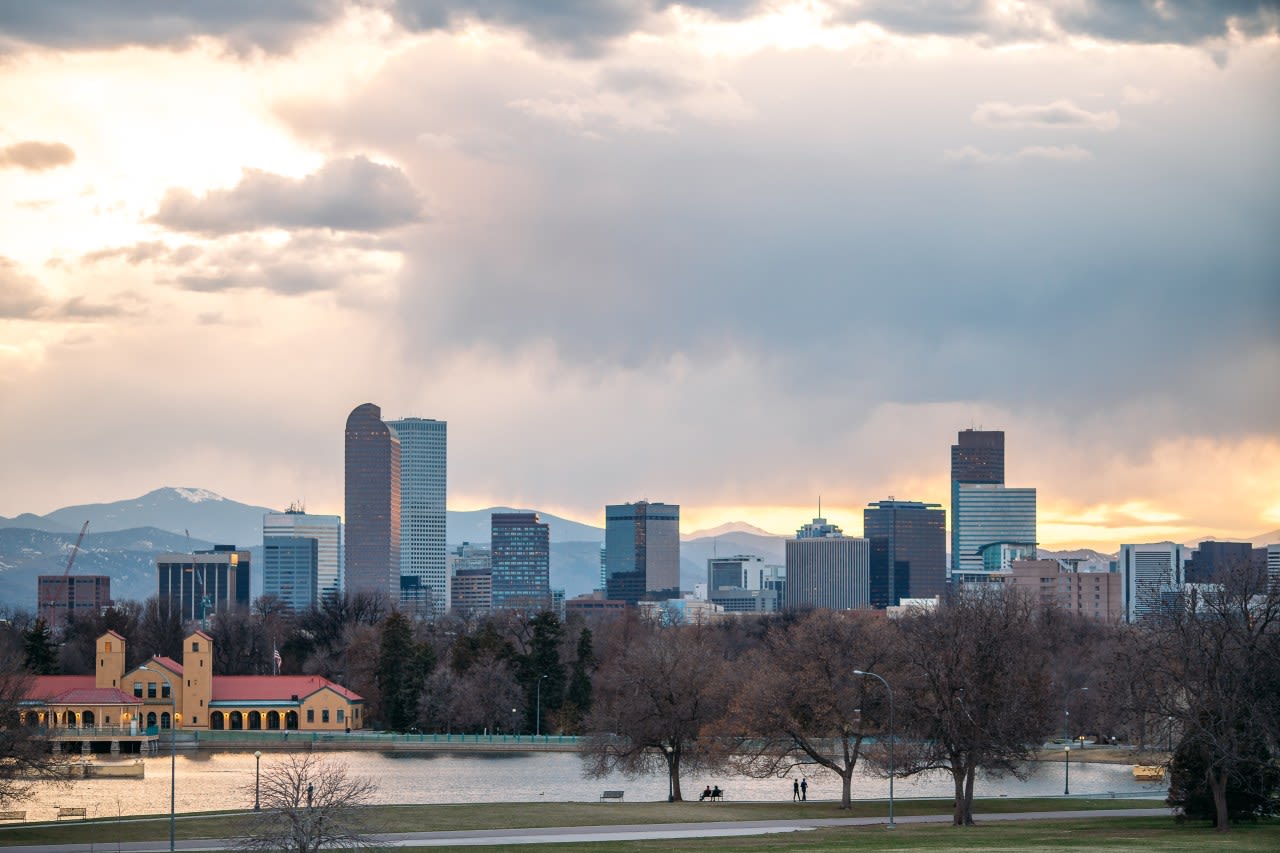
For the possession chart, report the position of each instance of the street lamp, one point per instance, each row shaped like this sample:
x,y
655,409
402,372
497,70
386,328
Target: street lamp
x,y
173,754
671,779
865,674
537,731
257,776
1066,734
1169,733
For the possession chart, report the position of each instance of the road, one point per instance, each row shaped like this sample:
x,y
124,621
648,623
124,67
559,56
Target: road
x,y
621,832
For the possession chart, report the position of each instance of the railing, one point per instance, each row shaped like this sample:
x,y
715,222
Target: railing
x,y
94,732
388,739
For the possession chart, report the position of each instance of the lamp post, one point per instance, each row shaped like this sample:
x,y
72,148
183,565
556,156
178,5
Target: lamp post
x,y
1066,734
865,674
1169,734
257,777
671,779
173,755
537,723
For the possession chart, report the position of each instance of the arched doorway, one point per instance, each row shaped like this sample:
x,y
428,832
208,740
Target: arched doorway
x,y
273,719
69,719
215,721
291,720
151,719
87,719
237,720
165,720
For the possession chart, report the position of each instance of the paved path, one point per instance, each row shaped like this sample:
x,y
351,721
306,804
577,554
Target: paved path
x,y
621,832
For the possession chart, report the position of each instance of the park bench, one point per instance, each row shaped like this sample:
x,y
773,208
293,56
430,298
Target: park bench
x,y
72,811
611,795
13,814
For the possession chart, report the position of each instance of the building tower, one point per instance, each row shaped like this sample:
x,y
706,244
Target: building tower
x,y
642,551
372,504
424,446
908,550
289,570
326,530
520,562
976,457
990,515
1153,577
825,568
202,583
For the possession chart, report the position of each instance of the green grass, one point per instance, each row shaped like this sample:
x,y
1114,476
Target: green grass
x,y
1137,834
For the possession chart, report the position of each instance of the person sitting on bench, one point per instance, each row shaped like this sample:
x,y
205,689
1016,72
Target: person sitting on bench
x,y
706,794
716,793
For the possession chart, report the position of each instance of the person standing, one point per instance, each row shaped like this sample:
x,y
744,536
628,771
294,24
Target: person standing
x,y
804,789
795,790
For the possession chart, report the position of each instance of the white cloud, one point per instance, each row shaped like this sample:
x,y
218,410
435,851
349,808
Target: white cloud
x,y
1058,115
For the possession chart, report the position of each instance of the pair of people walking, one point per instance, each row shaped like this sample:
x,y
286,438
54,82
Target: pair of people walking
x,y
799,790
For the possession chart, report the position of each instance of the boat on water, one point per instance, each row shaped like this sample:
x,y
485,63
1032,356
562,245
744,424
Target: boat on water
x,y
1148,772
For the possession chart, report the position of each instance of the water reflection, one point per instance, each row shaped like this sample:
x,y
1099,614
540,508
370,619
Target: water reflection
x,y
224,780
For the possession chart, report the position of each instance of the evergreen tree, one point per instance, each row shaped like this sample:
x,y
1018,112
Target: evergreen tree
x,y
542,666
402,670
39,650
584,664
1253,782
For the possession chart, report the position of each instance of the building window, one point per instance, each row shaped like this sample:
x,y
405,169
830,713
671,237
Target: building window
x,y
165,690
151,690
137,689
195,646
324,715
311,715
108,646
342,715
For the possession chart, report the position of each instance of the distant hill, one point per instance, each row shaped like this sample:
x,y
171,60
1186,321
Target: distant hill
x,y
474,526
722,529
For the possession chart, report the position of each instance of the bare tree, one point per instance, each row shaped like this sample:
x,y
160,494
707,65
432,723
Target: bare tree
x,y
24,751
308,803
800,703
975,690
652,702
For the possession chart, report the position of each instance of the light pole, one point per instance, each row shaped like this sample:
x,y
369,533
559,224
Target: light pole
x,y
1066,734
257,777
173,754
671,779
537,723
1169,734
864,674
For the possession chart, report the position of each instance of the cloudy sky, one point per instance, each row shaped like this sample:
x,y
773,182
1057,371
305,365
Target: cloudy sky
x,y
732,255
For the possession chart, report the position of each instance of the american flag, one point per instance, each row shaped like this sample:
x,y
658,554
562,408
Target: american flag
x,y
275,654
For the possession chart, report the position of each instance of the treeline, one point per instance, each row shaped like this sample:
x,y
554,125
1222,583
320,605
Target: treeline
x,y
978,685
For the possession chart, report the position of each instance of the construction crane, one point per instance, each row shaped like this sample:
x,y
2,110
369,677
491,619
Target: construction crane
x,y
52,603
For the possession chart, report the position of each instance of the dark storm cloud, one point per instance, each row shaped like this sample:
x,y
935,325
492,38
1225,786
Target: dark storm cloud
x,y
36,156
272,25
355,194
1169,21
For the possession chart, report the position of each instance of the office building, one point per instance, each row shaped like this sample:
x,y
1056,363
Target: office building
x,y
1153,577
471,592
825,568
987,514
290,570
908,550
976,457
1211,559
423,497
520,557
372,550
202,583
738,572
61,596
1273,568
326,530
1091,595
642,551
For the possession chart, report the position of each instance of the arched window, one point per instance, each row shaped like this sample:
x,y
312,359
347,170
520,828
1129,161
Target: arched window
x,y
291,720
87,719
215,720
151,719
237,720
255,720
164,720
273,719
69,719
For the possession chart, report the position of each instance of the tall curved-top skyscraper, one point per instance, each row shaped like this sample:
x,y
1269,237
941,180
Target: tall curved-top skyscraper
x,y
372,504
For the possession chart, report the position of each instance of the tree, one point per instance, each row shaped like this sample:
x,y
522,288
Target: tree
x,y
160,630
40,652
308,803
402,670
578,698
24,751
1210,664
652,702
800,703
973,689
541,671
1251,786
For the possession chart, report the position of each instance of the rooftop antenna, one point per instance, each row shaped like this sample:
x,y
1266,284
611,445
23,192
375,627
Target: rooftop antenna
x,y
819,506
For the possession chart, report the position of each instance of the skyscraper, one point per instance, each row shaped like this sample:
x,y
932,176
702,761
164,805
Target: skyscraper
x,y
289,570
1153,577
326,530
825,568
908,550
976,457
986,515
738,572
642,550
202,583
423,498
520,558
372,504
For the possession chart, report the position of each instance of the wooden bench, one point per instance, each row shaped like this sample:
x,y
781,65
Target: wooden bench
x,y
72,811
13,814
611,795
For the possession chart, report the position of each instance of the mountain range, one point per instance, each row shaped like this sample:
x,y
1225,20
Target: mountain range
x,y
124,536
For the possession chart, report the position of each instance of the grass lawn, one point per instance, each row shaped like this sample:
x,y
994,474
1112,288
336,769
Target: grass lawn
x,y
1137,834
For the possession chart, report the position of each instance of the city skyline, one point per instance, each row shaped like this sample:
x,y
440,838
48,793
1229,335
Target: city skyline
x,y
735,255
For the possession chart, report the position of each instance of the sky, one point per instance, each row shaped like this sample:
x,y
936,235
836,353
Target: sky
x,y
732,255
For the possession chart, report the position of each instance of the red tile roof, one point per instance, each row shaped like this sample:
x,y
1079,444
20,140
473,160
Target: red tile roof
x,y
274,688
168,663
95,696
112,634
47,687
